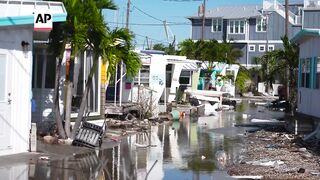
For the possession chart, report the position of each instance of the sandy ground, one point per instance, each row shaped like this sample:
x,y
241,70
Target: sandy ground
x,y
275,155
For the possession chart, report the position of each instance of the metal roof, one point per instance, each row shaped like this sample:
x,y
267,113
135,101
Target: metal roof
x,y
21,12
193,66
233,12
299,37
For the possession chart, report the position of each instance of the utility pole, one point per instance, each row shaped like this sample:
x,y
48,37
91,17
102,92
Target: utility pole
x,y
203,19
286,33
128,15
287,17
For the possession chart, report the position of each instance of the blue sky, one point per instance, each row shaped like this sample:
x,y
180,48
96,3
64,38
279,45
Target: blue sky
x,y
143,25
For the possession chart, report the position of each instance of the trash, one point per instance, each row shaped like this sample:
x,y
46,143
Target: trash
x,y
114,139
287,136
264,120
247,177
271,146
306,155
89,135
302,149
50,139
315,173
265,163
65,141
45,158
203,157
301,170
141,145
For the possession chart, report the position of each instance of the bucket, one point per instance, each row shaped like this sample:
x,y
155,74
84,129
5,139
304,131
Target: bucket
x,y
175,115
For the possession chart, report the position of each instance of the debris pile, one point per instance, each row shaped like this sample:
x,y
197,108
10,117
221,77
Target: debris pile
x,y
276,155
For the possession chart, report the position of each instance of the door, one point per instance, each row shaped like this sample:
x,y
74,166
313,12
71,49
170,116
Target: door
x,y
5,102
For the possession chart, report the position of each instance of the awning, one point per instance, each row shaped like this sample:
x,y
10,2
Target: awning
x,y
14,12
193,66
299,37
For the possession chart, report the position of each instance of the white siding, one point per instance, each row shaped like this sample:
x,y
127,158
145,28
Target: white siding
x,y
10,39
308,99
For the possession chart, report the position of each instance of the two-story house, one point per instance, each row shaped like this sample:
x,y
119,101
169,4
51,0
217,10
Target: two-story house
x,y
252,28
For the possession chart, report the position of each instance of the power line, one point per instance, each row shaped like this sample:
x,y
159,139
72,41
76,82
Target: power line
x,y
146,13
149,15
152,38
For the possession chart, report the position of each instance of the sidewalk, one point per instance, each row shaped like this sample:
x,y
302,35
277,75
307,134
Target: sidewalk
x,y
51,151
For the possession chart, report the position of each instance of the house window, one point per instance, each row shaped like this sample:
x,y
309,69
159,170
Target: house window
x,y
262,48
216,25
231,27
44,69
270,47
82,66
318,73
261,25
305,74
144,76
236,26
169,73
185,78
252,48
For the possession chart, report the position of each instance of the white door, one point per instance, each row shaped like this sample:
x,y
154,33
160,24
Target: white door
x,y
5,102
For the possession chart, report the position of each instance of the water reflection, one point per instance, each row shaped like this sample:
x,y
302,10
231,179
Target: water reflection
x,y
188,149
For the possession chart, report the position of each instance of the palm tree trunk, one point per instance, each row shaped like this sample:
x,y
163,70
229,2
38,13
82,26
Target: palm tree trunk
x,y
68,97
292,94
56,100
103,88
84,97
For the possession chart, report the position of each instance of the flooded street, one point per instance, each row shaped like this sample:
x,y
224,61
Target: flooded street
x,y
187,149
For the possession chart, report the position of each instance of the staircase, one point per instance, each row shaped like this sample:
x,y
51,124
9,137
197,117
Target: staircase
x,y
274,5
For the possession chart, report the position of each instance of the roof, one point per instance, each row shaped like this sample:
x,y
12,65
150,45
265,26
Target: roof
x,y
193,66
233,12
21,12
150,52
299,37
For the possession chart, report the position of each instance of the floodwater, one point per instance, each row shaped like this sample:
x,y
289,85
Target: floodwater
x,y
187,149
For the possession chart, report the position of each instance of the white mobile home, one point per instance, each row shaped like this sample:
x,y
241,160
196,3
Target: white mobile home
x,y
16,58
309,72
308,40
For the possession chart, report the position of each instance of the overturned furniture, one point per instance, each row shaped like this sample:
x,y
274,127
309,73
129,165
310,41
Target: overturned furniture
x,y
89,135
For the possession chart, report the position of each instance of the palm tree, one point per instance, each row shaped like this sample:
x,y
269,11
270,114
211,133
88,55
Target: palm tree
x,y
81,17
276,62
187,48
269,68
85,29
57,43
289,59
210,51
